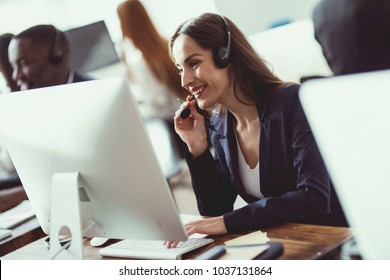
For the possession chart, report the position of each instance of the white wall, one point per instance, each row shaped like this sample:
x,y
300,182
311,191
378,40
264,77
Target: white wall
x,y
253,16
168,14
250,15
17,15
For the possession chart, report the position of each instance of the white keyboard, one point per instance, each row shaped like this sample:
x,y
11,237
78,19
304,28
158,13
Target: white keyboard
x,y
152,249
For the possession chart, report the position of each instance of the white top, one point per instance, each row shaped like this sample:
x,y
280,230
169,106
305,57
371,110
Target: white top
x,y
250,177
155,100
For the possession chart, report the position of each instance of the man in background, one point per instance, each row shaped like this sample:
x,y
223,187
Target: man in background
x,y
354,34
40,57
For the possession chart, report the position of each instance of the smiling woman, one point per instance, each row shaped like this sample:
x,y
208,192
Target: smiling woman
x,y
264,150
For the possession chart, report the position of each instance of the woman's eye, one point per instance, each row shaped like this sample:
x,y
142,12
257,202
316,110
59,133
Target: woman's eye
x,y
193,64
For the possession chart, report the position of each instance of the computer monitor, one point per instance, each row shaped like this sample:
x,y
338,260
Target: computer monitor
x,y
91,47
87,140
349,116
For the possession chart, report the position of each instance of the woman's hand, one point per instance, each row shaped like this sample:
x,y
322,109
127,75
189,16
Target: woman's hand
x,y
209,226
192,130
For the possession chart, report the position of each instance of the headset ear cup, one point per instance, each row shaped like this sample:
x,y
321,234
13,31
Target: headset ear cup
x,y
222,57
56,56
56,53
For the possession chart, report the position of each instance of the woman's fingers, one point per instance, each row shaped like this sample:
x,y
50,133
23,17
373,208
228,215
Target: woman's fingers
x,y
211,226
171,244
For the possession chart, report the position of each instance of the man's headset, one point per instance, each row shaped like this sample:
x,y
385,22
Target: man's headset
x,y
222,55
56,53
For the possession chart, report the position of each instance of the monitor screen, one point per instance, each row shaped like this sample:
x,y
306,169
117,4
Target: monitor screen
x,y
94,129
91,47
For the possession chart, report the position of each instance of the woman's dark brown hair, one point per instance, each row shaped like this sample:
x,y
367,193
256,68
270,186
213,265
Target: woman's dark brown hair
x,y
251,73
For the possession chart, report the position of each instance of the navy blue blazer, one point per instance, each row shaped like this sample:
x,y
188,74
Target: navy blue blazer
x,y
293,178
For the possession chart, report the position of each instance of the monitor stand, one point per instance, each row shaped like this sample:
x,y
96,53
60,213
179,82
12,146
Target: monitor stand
x,y
66,214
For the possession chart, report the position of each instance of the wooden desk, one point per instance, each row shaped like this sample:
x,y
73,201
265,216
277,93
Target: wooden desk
x,y
300,241
21,236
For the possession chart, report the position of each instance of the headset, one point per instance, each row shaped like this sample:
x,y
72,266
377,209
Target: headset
x,y
222,55
56,53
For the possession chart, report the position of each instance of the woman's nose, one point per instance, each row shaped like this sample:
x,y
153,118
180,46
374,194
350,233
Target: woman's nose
x,y
186,79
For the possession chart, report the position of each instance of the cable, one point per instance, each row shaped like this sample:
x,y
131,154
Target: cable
x,y
92,225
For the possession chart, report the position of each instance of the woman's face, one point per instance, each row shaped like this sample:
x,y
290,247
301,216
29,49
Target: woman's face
x,y
199,74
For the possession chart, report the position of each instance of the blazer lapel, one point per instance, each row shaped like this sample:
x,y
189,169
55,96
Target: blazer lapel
x,y
223,150
264,148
